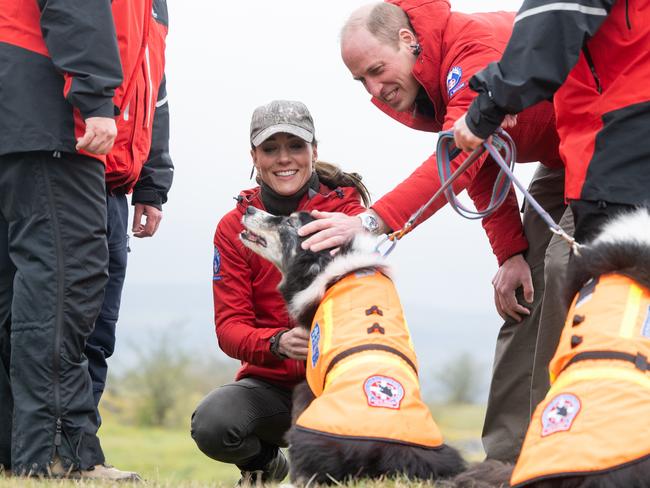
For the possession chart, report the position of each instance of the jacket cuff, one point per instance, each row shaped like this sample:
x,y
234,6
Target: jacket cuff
x,y
106,109
484,116
147,197
391,219
516,246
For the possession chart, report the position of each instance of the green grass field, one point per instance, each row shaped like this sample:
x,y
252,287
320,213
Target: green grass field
x,y
167,457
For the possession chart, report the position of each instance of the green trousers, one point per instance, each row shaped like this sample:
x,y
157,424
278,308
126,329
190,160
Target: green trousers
x,y
524,349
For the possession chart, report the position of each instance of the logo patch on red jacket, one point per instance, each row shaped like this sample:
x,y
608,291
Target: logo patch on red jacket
x,y
216,265
383,391
559,414
453,80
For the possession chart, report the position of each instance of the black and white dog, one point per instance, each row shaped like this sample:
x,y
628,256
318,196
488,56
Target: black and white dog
x,y
366,388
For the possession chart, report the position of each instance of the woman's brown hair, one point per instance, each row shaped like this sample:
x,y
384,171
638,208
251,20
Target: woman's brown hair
x,y
332,176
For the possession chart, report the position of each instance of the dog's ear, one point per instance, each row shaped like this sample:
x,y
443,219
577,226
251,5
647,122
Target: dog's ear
x,y
305,218
314,269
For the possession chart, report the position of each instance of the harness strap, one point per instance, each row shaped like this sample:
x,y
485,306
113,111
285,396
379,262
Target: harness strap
x,y
639,360
370,347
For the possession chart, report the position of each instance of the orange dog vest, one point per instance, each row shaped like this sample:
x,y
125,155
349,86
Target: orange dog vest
x,y
595,416
362,367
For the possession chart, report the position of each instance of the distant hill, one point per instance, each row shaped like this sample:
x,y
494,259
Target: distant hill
x,y
439,334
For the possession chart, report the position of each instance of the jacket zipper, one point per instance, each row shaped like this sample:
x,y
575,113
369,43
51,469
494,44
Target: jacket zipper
x,y
58,318
592,68
627,15
148,13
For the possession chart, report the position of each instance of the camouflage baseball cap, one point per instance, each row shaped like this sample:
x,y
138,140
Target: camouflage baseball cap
x,y
281,116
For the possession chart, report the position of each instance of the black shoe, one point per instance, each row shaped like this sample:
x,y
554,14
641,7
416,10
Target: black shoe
x,y
275,470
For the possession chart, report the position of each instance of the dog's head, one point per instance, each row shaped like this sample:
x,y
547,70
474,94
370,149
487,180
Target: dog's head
x,y
276,239
306,275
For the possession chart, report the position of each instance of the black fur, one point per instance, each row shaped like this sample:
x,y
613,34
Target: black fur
x,y
631,259
327,459
488,474
636,475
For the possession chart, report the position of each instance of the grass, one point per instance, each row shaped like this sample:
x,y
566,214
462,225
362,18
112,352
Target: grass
x,y
169,458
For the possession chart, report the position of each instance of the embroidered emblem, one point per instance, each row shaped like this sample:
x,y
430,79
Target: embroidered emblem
x,y
382,391
216,265
314,338
559,414
453,80
645,330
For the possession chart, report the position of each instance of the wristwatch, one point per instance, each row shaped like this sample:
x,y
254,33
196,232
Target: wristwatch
x,y
275,344
369,222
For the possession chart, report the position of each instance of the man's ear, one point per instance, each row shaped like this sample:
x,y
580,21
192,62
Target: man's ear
x,y
407,36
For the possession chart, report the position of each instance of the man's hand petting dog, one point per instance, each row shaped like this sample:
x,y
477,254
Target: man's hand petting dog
x,y
329,230
333,229
512,274
294,343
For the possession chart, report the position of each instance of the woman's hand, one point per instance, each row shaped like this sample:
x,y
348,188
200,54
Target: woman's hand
x,y
294,343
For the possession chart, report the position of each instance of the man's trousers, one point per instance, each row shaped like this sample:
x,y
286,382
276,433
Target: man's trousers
x,y
53,260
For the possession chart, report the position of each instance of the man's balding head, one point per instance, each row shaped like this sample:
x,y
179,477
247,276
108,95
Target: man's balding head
x,y
383,20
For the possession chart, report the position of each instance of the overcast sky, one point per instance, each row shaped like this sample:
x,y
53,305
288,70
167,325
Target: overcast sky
x,y
226,58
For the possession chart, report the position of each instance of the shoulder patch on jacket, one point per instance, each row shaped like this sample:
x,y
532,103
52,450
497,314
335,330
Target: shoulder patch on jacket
x,y
453,80
216,265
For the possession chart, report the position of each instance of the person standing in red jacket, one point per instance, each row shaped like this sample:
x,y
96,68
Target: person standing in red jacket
x,y
592,57
415,57
139,163
244,422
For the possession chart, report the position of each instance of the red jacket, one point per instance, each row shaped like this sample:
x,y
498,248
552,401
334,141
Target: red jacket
x,y
248,309
143,62
597,63
454,47
63,61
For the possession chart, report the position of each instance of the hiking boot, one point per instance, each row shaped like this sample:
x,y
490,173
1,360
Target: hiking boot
x,y
106,472
275,470
99,472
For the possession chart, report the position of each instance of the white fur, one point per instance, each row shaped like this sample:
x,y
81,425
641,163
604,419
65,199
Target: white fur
x,y
363,254
632,227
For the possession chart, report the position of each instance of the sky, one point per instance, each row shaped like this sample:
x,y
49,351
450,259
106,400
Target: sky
x,y
223,60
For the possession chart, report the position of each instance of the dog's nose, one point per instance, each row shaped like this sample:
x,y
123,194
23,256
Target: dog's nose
x,y
250,210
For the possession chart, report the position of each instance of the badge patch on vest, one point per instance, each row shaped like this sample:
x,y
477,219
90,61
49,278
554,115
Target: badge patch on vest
x,y
453,80
559,414
382,391
314,337
645,329
216,265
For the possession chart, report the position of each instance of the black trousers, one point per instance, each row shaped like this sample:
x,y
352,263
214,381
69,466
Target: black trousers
x,y
243,423
53,260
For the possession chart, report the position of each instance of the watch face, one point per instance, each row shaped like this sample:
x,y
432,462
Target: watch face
x,y
370,223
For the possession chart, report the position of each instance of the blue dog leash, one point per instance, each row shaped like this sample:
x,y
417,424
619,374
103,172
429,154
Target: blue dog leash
x,y
501,142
